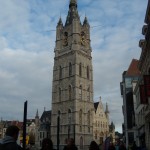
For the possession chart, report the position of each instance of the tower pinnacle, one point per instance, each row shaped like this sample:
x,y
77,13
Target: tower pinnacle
x,y
106,111
72,13
37,113
73,3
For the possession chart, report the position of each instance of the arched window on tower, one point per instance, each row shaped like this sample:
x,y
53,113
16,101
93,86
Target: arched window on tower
x,y
59,118
60,72
70,92
88,93
80,92
80,69
70,69
96,134
88,72
69,122
60,94
80,120
81,142
65,40
88,120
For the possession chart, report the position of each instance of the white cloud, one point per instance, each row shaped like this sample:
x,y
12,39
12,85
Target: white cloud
x,y
27,41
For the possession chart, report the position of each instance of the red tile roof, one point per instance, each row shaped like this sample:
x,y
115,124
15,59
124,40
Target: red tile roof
x,y
133,68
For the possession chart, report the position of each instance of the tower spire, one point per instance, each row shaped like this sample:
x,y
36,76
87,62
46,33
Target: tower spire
x,y
85,22
73,3
72,13
106,111
60,21
37,113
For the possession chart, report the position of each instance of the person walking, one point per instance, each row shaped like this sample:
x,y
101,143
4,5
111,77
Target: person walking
x,y
93,146
70,145
9,142
111,146
122,146
47,144
134,146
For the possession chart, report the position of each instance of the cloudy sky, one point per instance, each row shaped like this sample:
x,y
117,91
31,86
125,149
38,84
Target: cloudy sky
x,y
27,41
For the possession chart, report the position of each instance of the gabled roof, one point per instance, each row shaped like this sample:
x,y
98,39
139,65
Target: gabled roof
x,y
96,105
133,68
46,114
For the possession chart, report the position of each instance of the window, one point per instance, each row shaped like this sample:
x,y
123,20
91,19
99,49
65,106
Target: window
x,y
96,135
81,142
88,94
70,92
65,41
128,82
69,122
80,92
80,129
59,119
60,72
40,135
69,116
70,69
96,124
59,94
59,112
87,72
80,69
80,120
88,118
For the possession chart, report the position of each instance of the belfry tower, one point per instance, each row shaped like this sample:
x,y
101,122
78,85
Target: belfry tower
x,y
72,91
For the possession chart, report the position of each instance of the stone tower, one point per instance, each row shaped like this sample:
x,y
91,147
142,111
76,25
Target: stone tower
x,y
72,91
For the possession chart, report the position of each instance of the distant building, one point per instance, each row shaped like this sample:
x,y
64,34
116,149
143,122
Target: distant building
x,y
101,127
128,76
42,127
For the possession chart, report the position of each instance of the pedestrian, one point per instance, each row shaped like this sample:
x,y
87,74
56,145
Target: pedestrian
x,y
93,146
101,146
70,145
143,147
122,146
9,142
111,146
134,146
47,144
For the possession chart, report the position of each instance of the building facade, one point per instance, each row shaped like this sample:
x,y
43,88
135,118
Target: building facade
x,y
42,127
129,129
101,127
144,84
72,91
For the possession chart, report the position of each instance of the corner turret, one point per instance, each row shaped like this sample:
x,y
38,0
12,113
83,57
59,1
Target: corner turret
x,y
85,22
37,119
106,111
60,23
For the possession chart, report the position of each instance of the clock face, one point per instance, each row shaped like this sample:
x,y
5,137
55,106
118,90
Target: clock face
x,y
65,39
83,39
